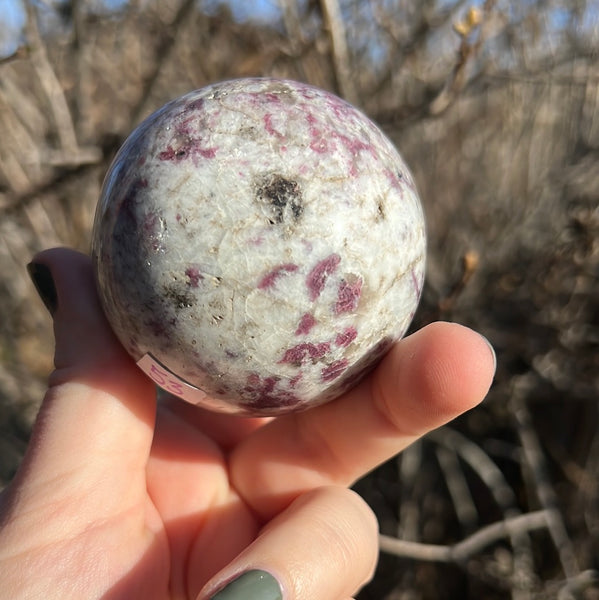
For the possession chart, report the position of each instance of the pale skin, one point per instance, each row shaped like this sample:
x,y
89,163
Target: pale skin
x,y
118,498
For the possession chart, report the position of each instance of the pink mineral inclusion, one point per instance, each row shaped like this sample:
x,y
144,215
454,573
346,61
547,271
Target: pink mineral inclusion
x,y
305,325
417,284
398,180
152,227
264,385
319,141
272,98
317,277
295,380
348,296
180,153
269,127
267,392
304,352
342,110
270,279
194,276
196,105
334,370
185,128
323,139
346,337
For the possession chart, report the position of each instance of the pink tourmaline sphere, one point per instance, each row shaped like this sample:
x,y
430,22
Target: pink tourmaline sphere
x,y
259,244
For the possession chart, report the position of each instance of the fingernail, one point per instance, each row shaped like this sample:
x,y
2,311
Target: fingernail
x,y
492,352
44,284
252,585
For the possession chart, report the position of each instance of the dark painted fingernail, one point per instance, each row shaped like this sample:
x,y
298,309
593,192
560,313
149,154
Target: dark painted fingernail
x,y
252,585
44,284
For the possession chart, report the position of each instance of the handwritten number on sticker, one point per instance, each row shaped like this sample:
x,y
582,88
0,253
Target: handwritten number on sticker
x,y
165,381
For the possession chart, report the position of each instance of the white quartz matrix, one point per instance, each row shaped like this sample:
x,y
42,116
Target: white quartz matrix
x,y
260,240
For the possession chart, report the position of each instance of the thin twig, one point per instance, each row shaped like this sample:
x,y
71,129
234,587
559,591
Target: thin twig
x,y
19,154
575,586
50,84
82,49
467,52
469,546
470,264
535,461
409,466
480,462
292,22
490,474
69,153
162,56
463,503
341,57
19,54
15,202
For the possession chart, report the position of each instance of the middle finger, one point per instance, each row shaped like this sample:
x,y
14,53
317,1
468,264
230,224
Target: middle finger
x,y
426,380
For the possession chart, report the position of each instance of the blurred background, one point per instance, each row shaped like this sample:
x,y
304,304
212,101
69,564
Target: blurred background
x,y
495,106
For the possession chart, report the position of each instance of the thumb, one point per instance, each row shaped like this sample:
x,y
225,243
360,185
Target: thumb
x,y
97,416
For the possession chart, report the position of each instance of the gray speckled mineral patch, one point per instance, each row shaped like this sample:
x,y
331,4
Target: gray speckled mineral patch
x,y
260,240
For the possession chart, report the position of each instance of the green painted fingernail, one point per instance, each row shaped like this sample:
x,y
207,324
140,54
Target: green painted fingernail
x,y
252,585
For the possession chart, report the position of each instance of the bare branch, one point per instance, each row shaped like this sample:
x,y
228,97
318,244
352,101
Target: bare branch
x,y
11,203
291,20
496,483
466,54
469,546
50,83
462,499
19,54
535,461
575,586
341,57
83,81
480,463
163,54
19,154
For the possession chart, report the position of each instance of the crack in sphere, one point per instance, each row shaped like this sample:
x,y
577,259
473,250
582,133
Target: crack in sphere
x,y
258,245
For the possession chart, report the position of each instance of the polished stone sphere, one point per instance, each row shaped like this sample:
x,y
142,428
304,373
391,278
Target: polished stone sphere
x,y
258,245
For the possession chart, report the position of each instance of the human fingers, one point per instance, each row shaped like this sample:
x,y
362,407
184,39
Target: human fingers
x,y
226,430
426,380
98,414
324,546
206,523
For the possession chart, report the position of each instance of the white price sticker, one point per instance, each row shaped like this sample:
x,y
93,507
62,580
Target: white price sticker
x,y
169,382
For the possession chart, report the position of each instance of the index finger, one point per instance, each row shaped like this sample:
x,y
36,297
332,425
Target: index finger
x,y
426,380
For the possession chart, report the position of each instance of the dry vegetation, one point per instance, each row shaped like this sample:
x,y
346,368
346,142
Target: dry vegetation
x,y
496,109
